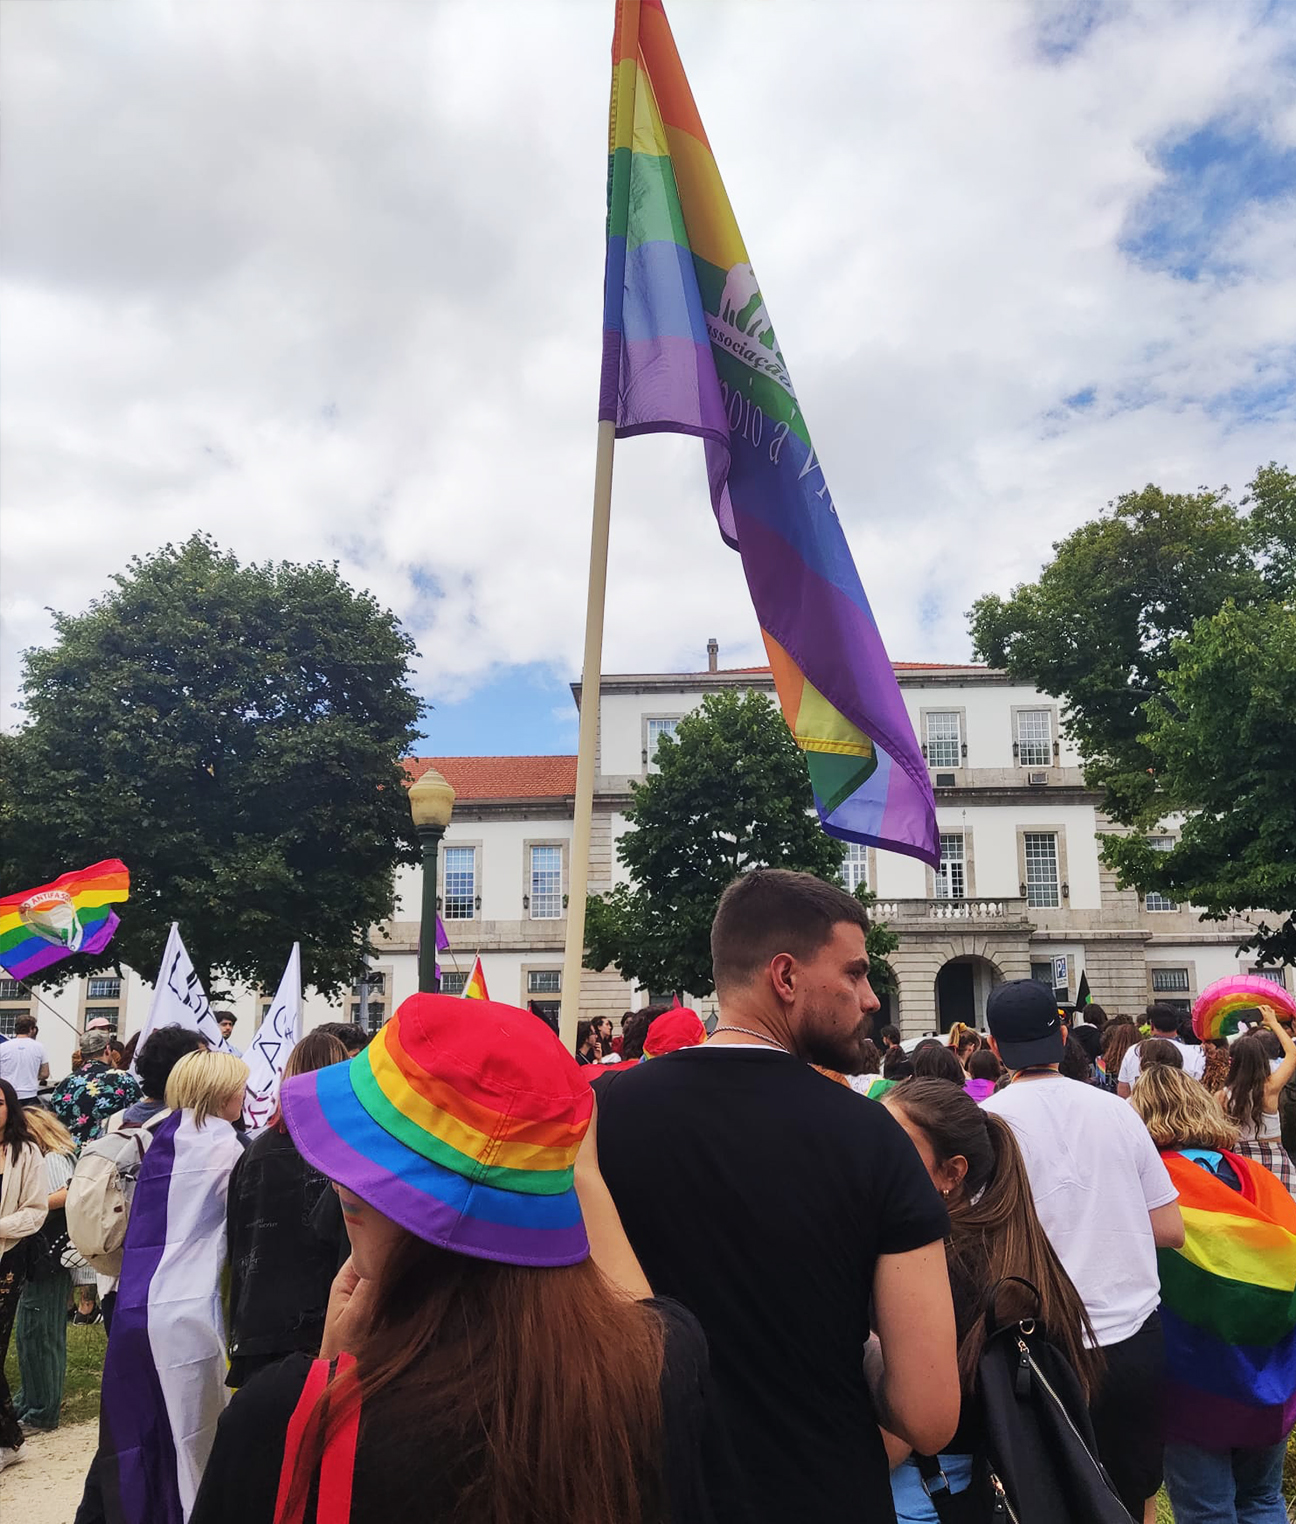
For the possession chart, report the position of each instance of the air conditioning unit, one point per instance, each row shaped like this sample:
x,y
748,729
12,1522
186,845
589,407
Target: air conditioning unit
x,y
1037,780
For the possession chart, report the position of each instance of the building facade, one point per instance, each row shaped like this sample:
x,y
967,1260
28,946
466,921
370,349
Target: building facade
x,y
1021,891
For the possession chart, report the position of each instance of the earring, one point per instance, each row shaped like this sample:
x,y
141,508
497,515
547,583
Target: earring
x,y
946,1191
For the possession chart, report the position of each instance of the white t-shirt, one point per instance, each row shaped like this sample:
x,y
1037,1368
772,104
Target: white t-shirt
x,y
1194,1057
21,1061
1095,1175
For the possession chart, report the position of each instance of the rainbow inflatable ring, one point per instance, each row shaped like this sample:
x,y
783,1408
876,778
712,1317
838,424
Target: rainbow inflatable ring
x,y
1216,1010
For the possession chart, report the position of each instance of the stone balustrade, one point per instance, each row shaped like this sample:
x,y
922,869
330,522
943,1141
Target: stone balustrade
x,y
978,909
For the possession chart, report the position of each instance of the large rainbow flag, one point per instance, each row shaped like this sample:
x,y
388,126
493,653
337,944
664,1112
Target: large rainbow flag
x,y
1228,1307
688,347
43,926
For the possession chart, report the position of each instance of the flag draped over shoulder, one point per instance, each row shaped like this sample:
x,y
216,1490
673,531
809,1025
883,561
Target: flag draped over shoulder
x,y
1228,1306
688,347
164,1373
279,1033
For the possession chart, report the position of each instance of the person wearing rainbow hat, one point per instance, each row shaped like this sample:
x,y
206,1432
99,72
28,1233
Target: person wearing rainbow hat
x,y
463,1374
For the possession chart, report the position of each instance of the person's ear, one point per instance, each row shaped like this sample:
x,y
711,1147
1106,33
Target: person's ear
x,y
994,1048
782,975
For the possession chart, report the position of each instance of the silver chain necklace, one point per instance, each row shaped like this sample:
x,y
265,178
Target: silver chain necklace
x,y
759,1036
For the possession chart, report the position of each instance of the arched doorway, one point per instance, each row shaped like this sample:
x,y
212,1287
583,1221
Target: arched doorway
x,y
962,987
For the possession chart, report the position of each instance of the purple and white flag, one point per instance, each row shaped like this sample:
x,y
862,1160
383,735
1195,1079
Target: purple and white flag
x,y
179,998
164,1374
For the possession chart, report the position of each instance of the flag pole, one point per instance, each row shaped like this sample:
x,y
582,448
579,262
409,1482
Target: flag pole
x,y
586,759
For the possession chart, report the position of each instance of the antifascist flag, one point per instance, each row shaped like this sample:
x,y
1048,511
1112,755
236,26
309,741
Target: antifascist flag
x,y
688,347
43,926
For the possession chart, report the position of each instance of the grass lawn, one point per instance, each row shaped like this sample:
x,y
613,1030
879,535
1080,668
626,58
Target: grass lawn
x,y
86,1345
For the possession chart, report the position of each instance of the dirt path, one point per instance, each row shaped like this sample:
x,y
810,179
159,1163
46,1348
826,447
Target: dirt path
x,y
46,1487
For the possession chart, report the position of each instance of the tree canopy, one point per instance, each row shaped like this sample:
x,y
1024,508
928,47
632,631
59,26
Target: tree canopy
x,y
235,734
1139,613
731,792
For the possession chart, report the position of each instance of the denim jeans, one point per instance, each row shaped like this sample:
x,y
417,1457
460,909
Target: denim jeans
x,y
1226,1486
912,1505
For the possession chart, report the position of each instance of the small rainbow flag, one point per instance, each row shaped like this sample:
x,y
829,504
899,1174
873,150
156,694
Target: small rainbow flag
x,y
43,926
475,989
1228,1307
689,348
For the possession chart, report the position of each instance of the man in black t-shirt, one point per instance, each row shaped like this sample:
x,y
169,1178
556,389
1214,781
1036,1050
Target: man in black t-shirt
x,y
778,1206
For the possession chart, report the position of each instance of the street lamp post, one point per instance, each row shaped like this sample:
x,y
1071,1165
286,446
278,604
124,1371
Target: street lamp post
x,y
431,801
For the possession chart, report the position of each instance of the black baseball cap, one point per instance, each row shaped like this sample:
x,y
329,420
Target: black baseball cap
x,y
1025,1022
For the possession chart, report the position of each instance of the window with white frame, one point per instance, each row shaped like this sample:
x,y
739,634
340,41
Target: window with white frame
x,y
655,730
460,887
854,868
1041,853
10,989
453,983
8,1019
108,1013
1153,900
546,883
1170,981
1042,973
375,1015
951,879
1276,975
103,989
1034,738
544,981
375,982
944,740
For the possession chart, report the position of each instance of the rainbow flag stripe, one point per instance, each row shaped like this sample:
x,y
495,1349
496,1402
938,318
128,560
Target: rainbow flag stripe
x,y
688,347
1228,1307
475,989
39,927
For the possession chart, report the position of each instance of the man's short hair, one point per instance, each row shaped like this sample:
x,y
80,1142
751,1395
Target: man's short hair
x,y
890,1034
24,1024
1163,1018
163,1050
771,911
226,1016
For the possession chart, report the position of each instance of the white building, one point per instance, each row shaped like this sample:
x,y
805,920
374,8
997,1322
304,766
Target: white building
x,y
1021,891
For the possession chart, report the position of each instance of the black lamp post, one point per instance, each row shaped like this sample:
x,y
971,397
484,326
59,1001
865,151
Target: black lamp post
x,y
431,801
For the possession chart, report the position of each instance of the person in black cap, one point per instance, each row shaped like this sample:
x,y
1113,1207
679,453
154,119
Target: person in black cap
x,y
1107,1205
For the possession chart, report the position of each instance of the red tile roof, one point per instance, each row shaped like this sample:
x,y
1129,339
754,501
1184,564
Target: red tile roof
x,y
501,777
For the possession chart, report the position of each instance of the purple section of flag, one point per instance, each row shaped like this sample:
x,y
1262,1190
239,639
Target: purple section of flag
x,y
47,953
134,1428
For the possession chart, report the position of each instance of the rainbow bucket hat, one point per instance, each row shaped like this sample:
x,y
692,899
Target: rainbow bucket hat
x,y
460,1121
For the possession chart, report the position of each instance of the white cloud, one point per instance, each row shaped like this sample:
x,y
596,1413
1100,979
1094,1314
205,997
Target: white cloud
x,y
325,280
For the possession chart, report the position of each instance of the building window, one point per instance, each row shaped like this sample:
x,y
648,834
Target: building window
x,y
1041,853
1277,975
453,983
656,729
460,883
546,883
951,882
103,989
10,989
1169,981
376,984
944,740
1155,901
854,868
375,1015
1034,738
544,981
1042,973
106,1013
7,1020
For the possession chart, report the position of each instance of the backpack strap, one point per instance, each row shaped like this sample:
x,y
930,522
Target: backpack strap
x,y
337,1467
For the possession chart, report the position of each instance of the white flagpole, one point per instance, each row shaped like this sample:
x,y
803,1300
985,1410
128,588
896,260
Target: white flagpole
x,y
586,759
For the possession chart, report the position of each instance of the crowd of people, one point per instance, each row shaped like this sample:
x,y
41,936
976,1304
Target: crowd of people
x,y
778,1271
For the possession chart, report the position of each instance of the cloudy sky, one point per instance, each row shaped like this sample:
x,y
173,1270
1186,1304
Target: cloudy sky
x,y
325,280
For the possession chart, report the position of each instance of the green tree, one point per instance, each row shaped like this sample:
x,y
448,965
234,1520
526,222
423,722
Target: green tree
x,y
731,792
234,734
1130,624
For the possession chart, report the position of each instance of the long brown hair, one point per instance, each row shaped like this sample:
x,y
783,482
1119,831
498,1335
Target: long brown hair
x,y
317,1050
1118,1039
519,1395
994,1229
1247,1077
1217,1064
16,1132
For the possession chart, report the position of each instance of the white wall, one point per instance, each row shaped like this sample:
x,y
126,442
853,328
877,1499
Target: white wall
x,y
988,719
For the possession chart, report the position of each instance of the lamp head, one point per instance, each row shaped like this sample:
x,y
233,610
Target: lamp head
x,y
431,801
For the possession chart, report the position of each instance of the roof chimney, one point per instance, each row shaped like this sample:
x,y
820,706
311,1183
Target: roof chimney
x,y
713,654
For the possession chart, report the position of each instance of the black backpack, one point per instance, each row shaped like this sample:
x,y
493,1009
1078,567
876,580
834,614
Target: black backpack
x,y
1039,1462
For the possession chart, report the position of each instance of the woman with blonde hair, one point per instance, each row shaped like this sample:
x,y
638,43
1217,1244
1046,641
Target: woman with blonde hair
x,y
41,1327
164,1375
1228,1309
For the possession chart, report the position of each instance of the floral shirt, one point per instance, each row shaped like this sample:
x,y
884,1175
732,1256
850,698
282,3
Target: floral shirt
x,y
90,1095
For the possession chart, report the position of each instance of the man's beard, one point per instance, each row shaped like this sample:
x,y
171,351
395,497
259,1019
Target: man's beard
x,y
818,1043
